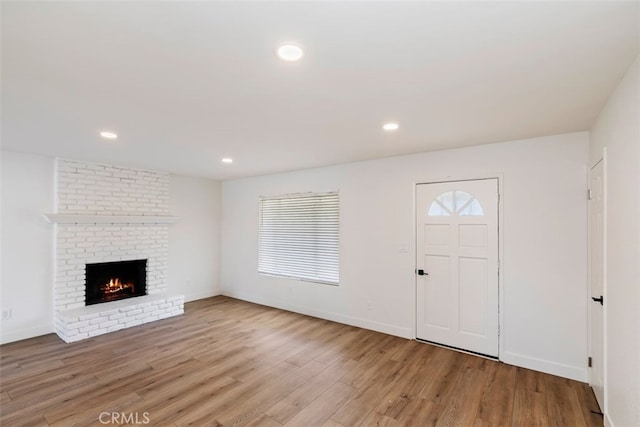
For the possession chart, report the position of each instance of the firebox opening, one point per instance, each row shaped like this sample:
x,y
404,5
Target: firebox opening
x,y
112,281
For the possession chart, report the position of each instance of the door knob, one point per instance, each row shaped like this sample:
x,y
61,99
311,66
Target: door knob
x,y
422,273
600,300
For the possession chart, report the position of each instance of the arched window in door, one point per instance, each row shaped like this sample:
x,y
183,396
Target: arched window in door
x,y
455,203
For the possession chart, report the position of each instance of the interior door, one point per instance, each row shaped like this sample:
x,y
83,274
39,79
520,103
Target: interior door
x,y
457,264
596,279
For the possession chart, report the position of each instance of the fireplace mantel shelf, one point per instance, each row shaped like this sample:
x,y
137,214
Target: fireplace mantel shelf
x,y
109,219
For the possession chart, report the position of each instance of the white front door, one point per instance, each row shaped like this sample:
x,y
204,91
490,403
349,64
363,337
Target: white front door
x,y
457,264
596,279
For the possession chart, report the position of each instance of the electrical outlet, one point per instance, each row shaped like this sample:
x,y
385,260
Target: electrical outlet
x,y
369,305
6,314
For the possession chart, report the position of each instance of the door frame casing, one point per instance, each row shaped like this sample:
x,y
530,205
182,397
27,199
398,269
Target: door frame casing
x,y
602,159
455,178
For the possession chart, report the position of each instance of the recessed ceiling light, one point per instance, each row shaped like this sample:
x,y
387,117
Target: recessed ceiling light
x,y
109,135
290,52
227,160
390,126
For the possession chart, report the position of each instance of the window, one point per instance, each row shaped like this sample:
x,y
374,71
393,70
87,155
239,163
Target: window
x,y
455,203
299,236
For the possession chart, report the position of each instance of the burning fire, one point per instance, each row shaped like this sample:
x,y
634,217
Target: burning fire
x,y
115,286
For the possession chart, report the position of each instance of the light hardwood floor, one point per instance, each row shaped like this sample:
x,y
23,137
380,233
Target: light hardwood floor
x,y
229,362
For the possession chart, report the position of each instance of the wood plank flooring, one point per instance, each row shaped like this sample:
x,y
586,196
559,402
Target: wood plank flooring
x,y
231,363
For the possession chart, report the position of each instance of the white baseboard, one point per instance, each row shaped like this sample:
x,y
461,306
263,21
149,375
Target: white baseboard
x,y
541,365
334,317
23,334
201,295
607,421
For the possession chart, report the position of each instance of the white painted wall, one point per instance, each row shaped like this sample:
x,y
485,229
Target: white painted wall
x,y
545,241
194,241
26,284
618,129
26,281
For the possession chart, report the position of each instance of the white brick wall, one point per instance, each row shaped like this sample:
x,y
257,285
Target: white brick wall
x,y
93,189
87,188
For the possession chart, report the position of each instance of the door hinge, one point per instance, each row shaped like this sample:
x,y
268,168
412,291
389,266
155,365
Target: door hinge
x,y
590,362
498,329
589,194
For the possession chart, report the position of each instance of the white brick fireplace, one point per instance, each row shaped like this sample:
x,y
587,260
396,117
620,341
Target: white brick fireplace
x,y
105,214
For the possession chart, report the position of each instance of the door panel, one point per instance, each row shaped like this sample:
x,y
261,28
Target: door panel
x,y
596,278
436,235
439,271
457,298
473,289
472,236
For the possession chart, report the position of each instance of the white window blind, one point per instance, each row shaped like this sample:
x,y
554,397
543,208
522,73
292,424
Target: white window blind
x,y
299,236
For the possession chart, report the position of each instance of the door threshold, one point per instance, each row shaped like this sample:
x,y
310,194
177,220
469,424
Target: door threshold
x,y
461,350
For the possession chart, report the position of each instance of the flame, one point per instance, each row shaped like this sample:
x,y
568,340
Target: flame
x,y
116,286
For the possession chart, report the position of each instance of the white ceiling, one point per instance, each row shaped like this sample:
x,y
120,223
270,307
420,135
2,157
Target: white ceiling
x,y
187,83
